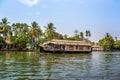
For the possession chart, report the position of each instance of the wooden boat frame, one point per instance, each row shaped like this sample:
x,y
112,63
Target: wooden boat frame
x,y
65,46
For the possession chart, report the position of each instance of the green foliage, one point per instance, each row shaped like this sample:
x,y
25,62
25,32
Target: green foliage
x,y
1,45
22,35
42,40
65,36
70,38
5,28
76,37
107,42
88,34
1,42
34,34
21,41
50,32
60,36
35,30
117,44
82,36
19,28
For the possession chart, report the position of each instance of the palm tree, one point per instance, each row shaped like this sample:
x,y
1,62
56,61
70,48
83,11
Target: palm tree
x,y
16,28
65,36
4,28
88,33
35,30
19,28
82,36
76,36
76,32
25,28
50,31
116,38
35,33
110,40
107,42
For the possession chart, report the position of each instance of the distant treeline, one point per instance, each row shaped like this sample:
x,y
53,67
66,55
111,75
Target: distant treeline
x,y
21,36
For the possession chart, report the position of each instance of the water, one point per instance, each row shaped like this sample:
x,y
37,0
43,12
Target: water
x,y
36,66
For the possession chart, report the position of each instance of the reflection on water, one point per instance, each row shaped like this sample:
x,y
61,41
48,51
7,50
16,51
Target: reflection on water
x,y
36,66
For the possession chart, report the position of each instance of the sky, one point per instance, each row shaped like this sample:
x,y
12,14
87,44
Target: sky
x,y
98,16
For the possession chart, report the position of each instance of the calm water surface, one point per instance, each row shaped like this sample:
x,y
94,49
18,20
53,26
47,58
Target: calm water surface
x,y
36,66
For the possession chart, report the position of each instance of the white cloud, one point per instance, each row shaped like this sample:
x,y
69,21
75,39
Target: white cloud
x,y
29,3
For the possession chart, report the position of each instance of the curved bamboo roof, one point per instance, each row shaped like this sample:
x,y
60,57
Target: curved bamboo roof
x,y
68,42
96,46
8,42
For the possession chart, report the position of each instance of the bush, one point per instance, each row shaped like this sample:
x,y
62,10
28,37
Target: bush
x,y
1,45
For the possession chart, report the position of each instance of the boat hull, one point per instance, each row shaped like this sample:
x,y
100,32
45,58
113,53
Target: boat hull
x,y
61,51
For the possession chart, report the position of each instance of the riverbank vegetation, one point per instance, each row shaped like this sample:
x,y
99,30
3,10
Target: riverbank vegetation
x,y
21,36
109,43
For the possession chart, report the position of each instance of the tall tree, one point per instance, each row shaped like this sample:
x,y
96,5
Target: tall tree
x,y
50,31
82,36
4,28
1,42
116,38
21,41
117,44
88,33
19,28
76,32
35,30
35,33
15,27
65,36
107,42
76,36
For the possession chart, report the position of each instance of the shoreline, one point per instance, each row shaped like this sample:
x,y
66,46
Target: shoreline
x,y
10,50
15,50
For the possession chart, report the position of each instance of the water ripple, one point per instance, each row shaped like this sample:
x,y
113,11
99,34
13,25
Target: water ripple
x,y
34,66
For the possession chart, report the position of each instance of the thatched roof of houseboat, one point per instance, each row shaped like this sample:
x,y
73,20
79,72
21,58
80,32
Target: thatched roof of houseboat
x,y
67,42
96,46
8,42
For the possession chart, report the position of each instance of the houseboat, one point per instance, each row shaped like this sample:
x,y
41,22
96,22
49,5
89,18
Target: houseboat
x,y
65,46
97,48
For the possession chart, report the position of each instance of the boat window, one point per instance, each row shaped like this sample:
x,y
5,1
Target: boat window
x,y
88,47
71,47
76,47
80,48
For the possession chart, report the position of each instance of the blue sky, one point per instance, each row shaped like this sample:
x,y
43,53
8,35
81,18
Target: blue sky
x,y
98,16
